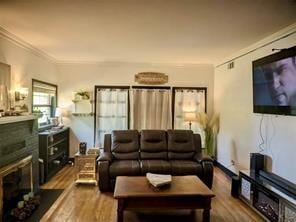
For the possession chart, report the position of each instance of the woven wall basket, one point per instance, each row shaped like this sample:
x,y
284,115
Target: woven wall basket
x,y
151,78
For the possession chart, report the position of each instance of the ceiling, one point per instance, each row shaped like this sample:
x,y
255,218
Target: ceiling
x,y
160,31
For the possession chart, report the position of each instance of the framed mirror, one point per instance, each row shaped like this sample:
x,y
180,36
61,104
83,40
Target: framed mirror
x,y
5,75
4,86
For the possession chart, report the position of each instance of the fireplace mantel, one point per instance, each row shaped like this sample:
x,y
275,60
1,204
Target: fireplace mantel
x,y
19,139
14,119
18,142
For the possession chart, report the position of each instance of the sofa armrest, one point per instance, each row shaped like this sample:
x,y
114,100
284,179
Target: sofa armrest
x,y
208,173
202,158
207,164
103,175
105,156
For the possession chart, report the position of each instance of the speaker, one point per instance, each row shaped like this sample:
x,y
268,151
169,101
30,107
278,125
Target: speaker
x,y
235,186
256,162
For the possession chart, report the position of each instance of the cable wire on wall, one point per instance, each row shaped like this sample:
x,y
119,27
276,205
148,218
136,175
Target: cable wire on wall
x,y
272,136
262,142
266,139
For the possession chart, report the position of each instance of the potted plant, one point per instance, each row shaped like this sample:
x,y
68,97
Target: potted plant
x,y
82,95
211,129
37,112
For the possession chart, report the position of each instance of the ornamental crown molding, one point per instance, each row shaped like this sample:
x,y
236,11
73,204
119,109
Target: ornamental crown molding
x,y
23,44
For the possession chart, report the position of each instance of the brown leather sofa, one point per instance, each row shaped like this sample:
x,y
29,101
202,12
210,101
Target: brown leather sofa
x,y
130,153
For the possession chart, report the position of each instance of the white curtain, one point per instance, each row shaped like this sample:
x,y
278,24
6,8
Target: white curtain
x,y
111,112
189,100
151,109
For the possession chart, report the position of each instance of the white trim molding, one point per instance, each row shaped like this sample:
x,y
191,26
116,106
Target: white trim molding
x,y
19,42
283,33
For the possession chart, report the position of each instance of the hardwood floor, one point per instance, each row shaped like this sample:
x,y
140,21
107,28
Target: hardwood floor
x,y
86,203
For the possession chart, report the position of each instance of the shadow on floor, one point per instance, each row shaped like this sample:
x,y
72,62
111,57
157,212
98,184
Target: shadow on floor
x,y
149,216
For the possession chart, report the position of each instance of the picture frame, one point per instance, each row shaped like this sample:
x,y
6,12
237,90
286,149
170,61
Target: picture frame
x,y
5,76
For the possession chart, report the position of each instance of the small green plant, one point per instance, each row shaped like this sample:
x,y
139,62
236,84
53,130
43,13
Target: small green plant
x,y
83,94
37,112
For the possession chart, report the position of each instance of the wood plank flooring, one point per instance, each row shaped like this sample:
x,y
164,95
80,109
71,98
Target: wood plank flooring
x,y
86,203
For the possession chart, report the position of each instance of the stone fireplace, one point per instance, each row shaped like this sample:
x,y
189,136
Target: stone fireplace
x,y
19,172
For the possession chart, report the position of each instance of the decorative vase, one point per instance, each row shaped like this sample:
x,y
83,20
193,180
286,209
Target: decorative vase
x,y
210,142
82,148
4,101
77,97
85,97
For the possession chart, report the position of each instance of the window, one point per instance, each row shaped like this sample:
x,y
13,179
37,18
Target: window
x,y
44,100
192,100
111,111
145,107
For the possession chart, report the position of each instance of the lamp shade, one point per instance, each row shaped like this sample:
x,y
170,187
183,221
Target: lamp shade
x,y
58,112
24,92
61,112
189,116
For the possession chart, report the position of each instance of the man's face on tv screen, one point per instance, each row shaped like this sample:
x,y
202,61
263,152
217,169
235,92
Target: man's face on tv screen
x,y
281,79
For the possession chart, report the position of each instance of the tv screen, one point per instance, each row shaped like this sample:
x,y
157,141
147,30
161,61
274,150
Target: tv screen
x,y
274,83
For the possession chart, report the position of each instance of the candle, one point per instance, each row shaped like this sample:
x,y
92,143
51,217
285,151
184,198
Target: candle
x,y
26,197
20,204
31,194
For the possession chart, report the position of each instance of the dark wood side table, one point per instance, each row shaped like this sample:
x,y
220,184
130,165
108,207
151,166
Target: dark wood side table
x,y
185,192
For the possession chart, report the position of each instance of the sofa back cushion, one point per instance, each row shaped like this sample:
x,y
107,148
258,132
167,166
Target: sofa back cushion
x,y
125,144
180,145
197,143
153,144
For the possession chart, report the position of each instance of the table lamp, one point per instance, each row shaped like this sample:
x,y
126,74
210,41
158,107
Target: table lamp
x,y
59,112
189,117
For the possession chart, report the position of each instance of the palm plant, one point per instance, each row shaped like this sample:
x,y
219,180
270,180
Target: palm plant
x,y
211,129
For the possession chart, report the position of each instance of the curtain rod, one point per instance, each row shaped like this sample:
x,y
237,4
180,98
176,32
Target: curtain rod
x,y
259,47
151,87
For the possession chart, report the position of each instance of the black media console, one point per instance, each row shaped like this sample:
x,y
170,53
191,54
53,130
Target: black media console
x,y
273,197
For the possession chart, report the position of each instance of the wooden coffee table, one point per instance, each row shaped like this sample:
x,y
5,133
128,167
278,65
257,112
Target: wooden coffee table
x,y
185,192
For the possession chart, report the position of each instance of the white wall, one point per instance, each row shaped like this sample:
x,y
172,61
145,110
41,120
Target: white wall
x,y
239,126
25,65
239,130
73,77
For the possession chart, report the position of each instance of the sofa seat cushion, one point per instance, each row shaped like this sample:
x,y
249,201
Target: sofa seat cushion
x,y
124,168
155,166
185,167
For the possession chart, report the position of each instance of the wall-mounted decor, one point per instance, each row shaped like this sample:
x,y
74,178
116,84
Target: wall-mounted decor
x,y
151,78
4,86
5,75
21,94
83,103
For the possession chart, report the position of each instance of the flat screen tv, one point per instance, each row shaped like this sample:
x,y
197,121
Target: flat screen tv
x,y
274,83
